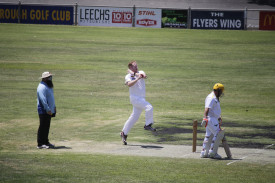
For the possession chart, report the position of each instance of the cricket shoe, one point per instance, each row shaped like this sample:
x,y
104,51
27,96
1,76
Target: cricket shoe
x,y
43,147
204,154
124,138
215,156
149,127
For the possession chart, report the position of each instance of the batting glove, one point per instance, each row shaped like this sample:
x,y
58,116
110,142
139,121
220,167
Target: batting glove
x,y
204,122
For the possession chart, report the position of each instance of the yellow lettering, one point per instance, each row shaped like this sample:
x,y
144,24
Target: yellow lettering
x,y
47,14
38,14
62,15
24,14
2,14
270,18
14,14
57,16
7,14
68,15
32,14
53,15
42,15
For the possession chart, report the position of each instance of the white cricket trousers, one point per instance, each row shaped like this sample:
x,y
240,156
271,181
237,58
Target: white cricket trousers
x,y
213,127
139,104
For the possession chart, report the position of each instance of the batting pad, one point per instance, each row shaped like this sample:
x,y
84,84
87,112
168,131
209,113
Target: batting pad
x,y
218,141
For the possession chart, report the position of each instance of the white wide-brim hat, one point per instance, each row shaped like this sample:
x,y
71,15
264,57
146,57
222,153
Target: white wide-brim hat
x,y
46,74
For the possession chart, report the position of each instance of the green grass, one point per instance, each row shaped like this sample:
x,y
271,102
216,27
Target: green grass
x,y
99,168
92,101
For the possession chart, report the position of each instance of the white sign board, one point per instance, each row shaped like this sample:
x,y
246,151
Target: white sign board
x,y
105,16
148,18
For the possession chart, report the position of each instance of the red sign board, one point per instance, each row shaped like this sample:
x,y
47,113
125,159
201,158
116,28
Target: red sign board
x,y
267,20
121,17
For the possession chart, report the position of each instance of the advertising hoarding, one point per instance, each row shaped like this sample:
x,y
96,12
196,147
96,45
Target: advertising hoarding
x,y
217,20
174,18
267,20
8,13
105,16
37,14
148,18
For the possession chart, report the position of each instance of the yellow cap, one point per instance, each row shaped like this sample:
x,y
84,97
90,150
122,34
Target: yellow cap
x,y
218,86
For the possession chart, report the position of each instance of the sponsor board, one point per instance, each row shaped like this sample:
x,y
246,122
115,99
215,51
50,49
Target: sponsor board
x,y
267,20
148,18
105,16
37,14
174,18
217,20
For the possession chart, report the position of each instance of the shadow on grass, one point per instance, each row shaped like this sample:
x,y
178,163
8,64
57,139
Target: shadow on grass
x,y
269,133
62,147
167,133
227,159
148,146
151,147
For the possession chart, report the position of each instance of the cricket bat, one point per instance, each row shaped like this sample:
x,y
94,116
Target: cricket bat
x,y
226,148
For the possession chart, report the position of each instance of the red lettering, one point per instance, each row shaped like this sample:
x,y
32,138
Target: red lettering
x,y
146,13
147,22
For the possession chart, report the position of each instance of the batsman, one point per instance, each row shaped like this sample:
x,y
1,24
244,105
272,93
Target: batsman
x,y
212,121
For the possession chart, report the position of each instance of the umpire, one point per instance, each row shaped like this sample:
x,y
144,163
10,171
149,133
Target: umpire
x,y
46,110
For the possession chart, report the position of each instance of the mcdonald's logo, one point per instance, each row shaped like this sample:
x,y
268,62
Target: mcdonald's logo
x,y
267,20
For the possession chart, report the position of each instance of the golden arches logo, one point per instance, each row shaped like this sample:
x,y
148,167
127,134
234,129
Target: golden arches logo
x,y
269,18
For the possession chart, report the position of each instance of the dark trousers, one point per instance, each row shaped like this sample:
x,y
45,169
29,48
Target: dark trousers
x,y
43,130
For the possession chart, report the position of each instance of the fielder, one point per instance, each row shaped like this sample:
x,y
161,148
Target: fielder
x,y
212,117
136,83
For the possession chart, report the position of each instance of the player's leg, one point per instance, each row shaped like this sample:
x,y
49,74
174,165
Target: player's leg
x,y
213,153
214,127
141,103
149,117
206,143
132,120
129,124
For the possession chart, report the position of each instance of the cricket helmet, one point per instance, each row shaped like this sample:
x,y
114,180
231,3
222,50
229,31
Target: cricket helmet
x,y
218,86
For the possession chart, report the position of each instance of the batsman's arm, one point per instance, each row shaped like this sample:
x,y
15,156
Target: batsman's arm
x,y
220,121
205,120
206,111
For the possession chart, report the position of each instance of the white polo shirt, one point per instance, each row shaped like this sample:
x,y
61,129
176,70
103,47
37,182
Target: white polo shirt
x,y
137,89
213,104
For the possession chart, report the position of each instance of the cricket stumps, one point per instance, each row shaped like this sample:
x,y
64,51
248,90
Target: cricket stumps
x,y
195,126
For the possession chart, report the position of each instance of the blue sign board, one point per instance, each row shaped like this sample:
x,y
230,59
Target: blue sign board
x,y
36,14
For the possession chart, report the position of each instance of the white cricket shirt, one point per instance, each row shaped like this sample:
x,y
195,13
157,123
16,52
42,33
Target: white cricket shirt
x,y
137,89
213,104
